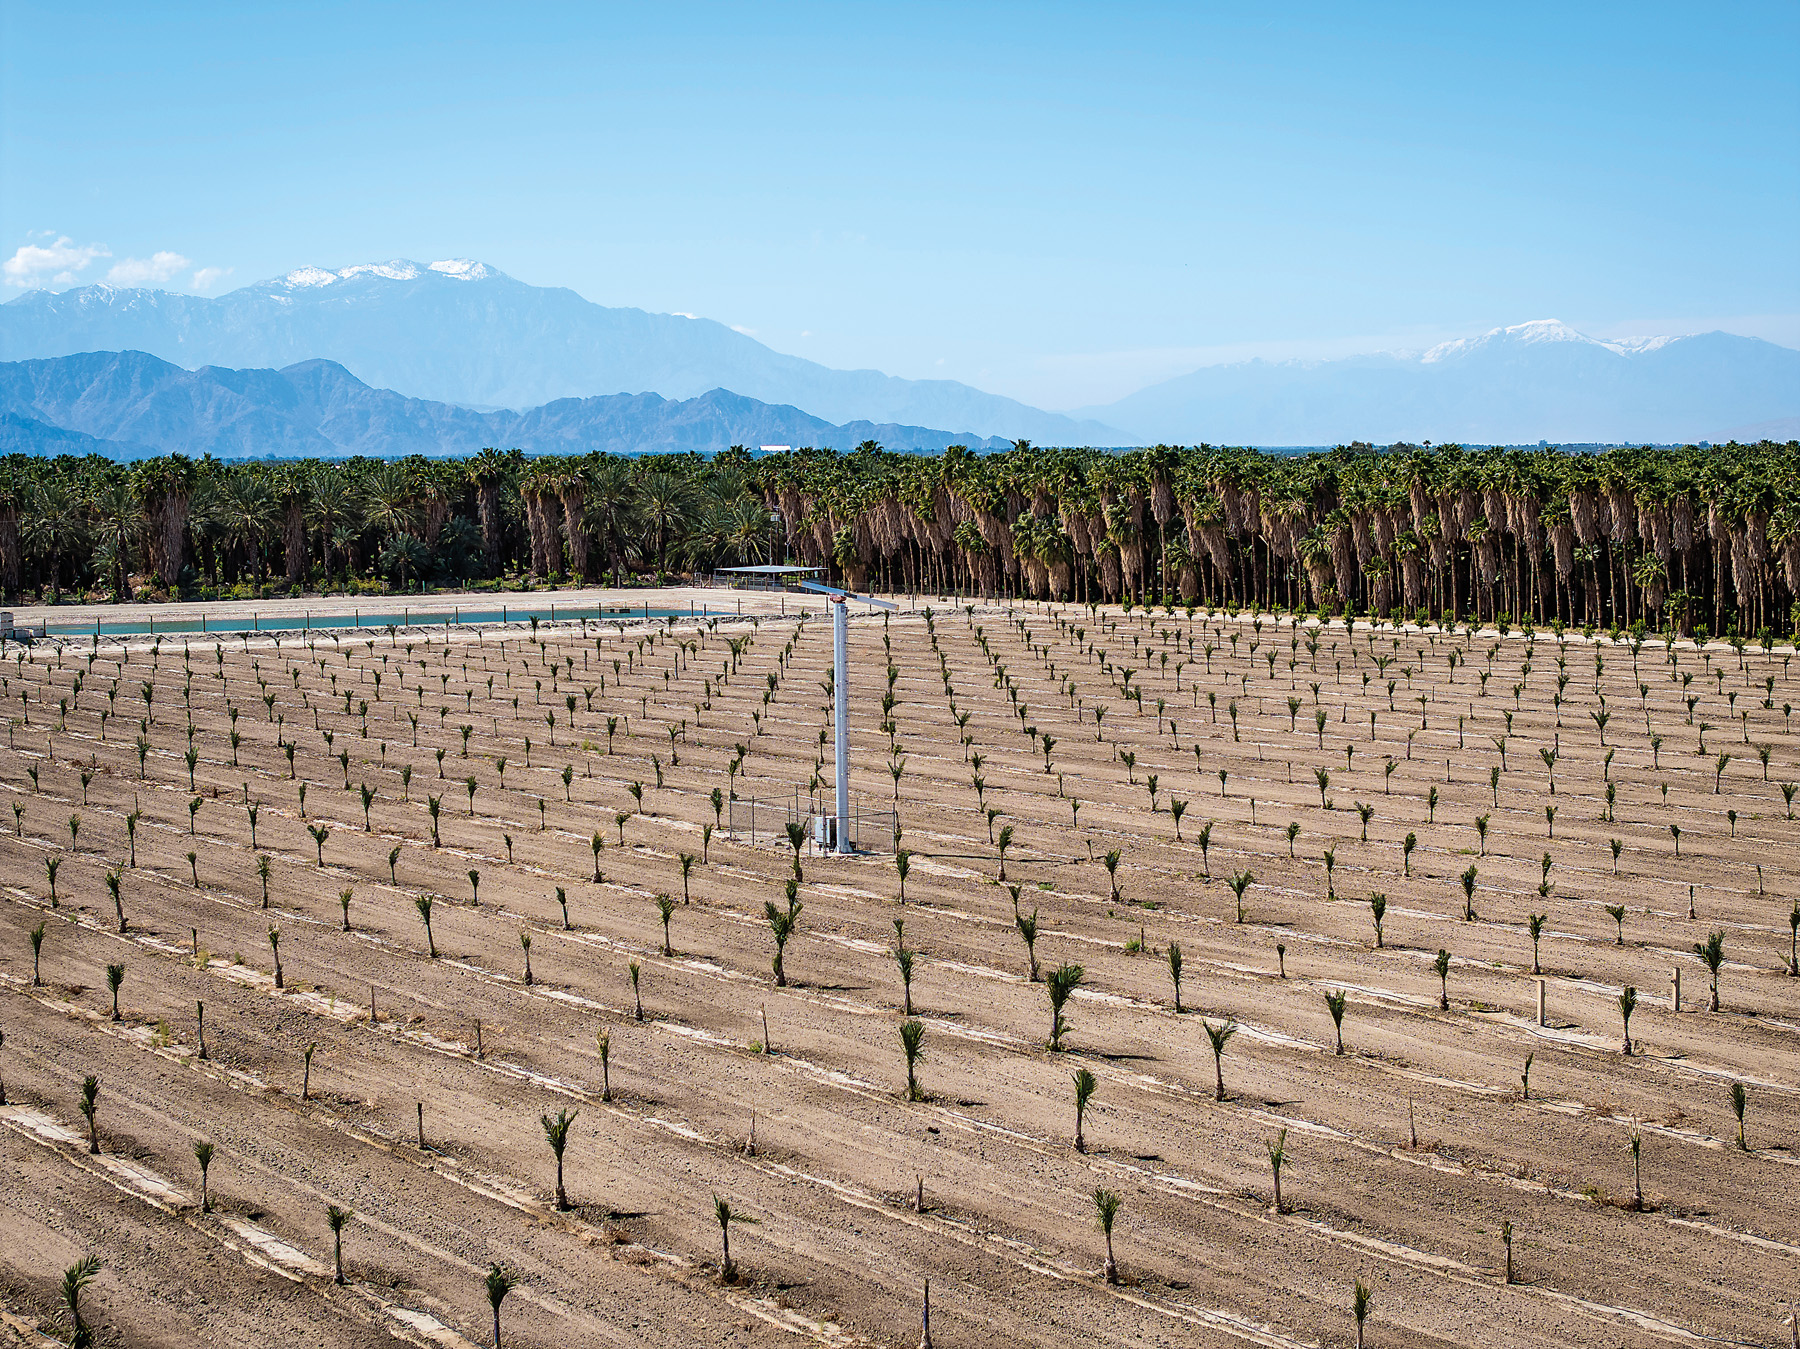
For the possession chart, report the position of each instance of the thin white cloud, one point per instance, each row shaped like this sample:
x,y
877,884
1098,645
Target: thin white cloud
x,y
205,278
156,268
56,263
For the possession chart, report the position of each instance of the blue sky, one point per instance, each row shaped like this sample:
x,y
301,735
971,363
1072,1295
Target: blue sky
x,y
1059,202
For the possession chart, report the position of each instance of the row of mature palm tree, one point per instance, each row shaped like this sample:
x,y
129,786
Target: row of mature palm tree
x,y
1700,537
179,524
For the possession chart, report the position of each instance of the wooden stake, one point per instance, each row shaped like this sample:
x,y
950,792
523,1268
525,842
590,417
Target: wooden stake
x,y
421,1108
767,1047
371,1004
1412,1126
478,1050
925,1334
918,1194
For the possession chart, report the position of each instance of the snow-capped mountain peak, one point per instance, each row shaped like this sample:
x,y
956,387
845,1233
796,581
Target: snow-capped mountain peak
x,y
395,269
1523,334
302,278
463,269
1637,346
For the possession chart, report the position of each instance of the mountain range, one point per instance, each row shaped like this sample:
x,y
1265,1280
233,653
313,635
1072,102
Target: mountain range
x,y
130,404
461,336
463,332
1532,382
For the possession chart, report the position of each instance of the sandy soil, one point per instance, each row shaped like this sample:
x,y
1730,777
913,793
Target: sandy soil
x,y
828,1243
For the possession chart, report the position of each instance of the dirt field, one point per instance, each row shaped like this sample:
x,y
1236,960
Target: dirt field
x,y
311,1102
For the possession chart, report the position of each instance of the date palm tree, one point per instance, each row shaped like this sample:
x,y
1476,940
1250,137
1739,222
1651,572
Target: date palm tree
x,y
1106,1208
1335,1001
905,959
1175,973
90,1109
499,1283
1628,998
75,1280
336,1217
1277,1147
912,1041
781,927
556,1133
1712,955
1219,1037
1442,965
1061,984
1028,928
1085,1082
203,1154
1240,882
423,904
722,1211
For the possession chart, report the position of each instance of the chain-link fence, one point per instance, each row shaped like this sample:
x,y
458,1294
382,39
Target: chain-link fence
x,y
765,819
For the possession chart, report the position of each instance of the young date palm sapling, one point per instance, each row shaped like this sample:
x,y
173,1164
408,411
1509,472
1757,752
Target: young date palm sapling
x,y
1240,882
1335,1001
75,1279
1061,984
423,904
499,1283
1085,1083
722,1211
912,1040
1277,1159
781,927
1219,1037
556,1133
1106,1209
335,1218
203,1154
1028,930
1712,955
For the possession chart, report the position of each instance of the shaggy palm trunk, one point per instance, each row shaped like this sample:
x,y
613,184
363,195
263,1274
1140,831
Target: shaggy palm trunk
x,y
293,539
487,506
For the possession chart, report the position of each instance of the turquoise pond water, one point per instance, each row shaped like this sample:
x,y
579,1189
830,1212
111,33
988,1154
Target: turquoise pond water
x,y
372,618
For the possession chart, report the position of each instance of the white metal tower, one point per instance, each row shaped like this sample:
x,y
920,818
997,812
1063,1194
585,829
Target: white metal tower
x,y
840,696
